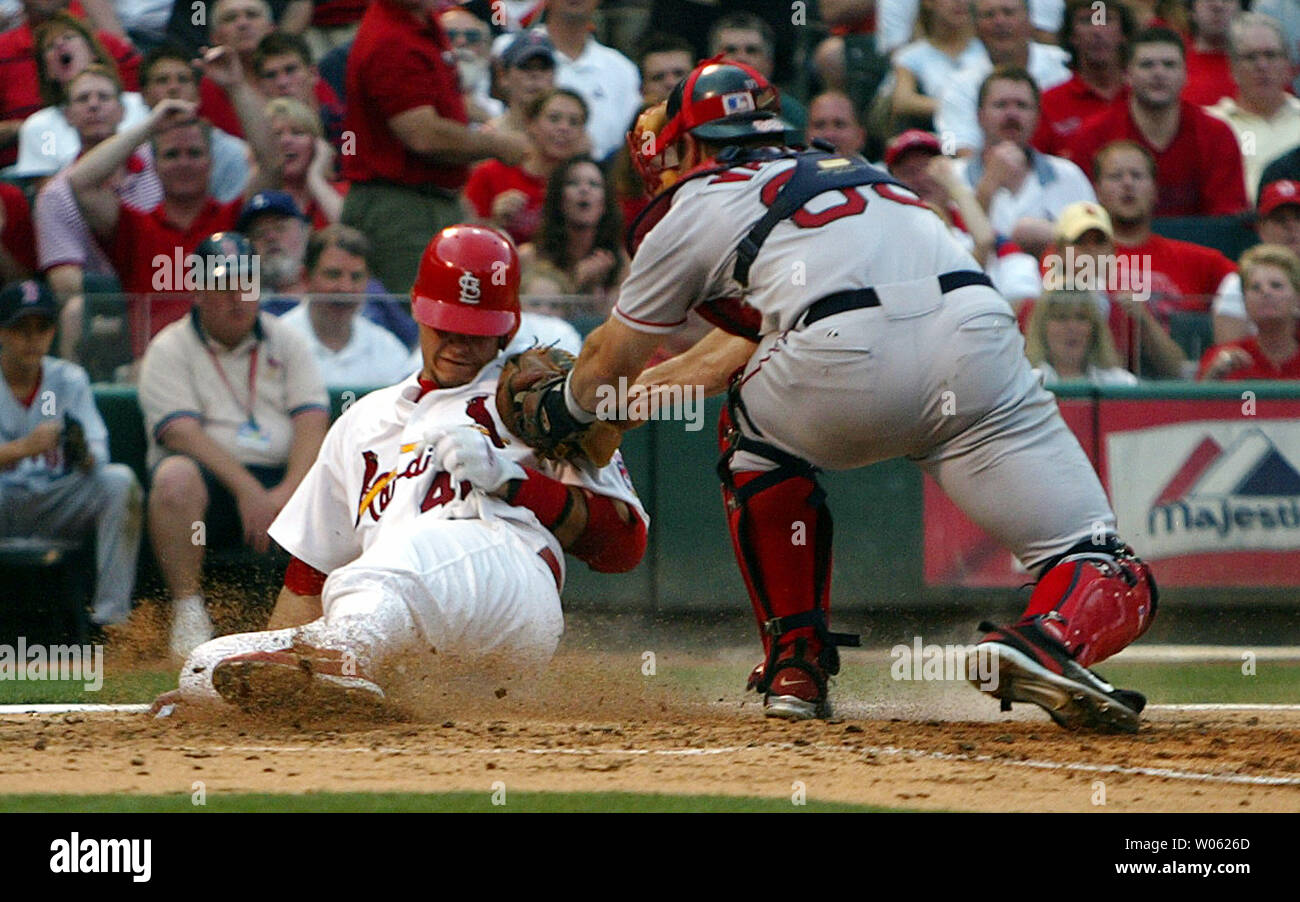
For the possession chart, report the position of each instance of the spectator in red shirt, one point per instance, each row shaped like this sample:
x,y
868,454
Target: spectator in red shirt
x,y
239,25
284,69
19,91
1085,259
1098,46
1209,75
413,144
1198,163
1184,277
1278,222
510,197
17,240
1270,276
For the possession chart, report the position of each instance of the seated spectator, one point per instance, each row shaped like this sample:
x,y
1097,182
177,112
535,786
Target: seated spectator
x,y
235,410
166,71
471,42
306,170
17,242
279,231
1209,72
1278,222
1068,340
19,83
350,350
1098,47
1270,276
606,79
1184,276
746,38
65,48
135,241
510,197
48,488
240,26
525,72
1198,166
1084,258
923,69
1264,117
1004,28
1287,14
832,118
914,158
579,247
664,60
1022,190
283,65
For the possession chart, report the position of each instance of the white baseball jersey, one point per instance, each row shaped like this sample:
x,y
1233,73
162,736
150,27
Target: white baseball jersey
x,y
870,236
375,475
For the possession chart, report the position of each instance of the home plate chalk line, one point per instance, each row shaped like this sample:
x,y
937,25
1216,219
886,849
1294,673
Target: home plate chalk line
x,y
888,750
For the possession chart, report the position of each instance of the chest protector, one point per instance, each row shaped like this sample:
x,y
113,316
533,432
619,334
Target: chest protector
x,y
815,172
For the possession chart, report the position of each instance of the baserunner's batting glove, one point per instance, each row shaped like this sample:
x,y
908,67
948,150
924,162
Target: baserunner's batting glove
x,y
468,455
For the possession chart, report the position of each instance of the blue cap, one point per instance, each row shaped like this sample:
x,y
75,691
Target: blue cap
x,y
277,202
528,45
27,298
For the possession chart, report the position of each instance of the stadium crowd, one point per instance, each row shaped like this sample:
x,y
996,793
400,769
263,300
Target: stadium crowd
x,y
1106,162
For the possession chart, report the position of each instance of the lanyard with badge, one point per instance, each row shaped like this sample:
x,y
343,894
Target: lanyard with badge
x,y
250,435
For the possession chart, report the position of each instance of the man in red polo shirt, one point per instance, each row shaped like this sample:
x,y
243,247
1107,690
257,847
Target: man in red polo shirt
x,y
239,25
413,146
148,250
1198,162
1097,46
19,90
1184,277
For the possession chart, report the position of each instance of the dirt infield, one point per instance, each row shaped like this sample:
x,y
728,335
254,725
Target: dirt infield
x,y
583,729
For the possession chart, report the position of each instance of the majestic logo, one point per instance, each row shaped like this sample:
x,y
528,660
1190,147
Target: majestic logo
x,y
470,288
1247,489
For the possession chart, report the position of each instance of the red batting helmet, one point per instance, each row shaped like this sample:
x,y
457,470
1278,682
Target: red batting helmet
x,y
468,282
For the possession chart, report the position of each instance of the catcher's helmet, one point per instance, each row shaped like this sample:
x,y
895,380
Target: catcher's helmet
x,y
721,101
468,282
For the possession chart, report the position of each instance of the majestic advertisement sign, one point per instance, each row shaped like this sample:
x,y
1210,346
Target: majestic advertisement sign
x,y
1207,490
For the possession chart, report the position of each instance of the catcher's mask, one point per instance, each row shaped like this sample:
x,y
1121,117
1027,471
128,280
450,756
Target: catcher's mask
x,y
718,102
468,282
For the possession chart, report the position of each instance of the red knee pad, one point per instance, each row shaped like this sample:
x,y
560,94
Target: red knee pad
x,y
1094,604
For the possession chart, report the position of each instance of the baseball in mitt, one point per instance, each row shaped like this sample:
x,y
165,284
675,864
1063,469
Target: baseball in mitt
x,y
530,400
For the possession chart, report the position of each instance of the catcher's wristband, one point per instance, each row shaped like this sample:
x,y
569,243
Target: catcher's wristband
x,y
560,421
575,409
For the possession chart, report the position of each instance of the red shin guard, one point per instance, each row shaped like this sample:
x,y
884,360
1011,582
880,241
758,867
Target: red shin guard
x,y
1094,604
782,543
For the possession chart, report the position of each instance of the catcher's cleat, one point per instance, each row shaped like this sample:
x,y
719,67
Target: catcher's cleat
x,y
301,677
797,691
1033,667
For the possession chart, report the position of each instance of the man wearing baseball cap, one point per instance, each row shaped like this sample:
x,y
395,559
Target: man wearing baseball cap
x,y
525,71
1278,223
235,410
1082,258
278,231
55,478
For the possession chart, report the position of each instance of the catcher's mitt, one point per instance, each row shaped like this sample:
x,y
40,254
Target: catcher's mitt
x,y
530,400
76,453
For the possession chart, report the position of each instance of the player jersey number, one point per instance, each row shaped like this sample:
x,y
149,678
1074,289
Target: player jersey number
x,y
441,491
854,203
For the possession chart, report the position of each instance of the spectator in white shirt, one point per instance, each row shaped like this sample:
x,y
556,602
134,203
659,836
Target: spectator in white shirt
x,y
1022,190
350,350
1005,30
